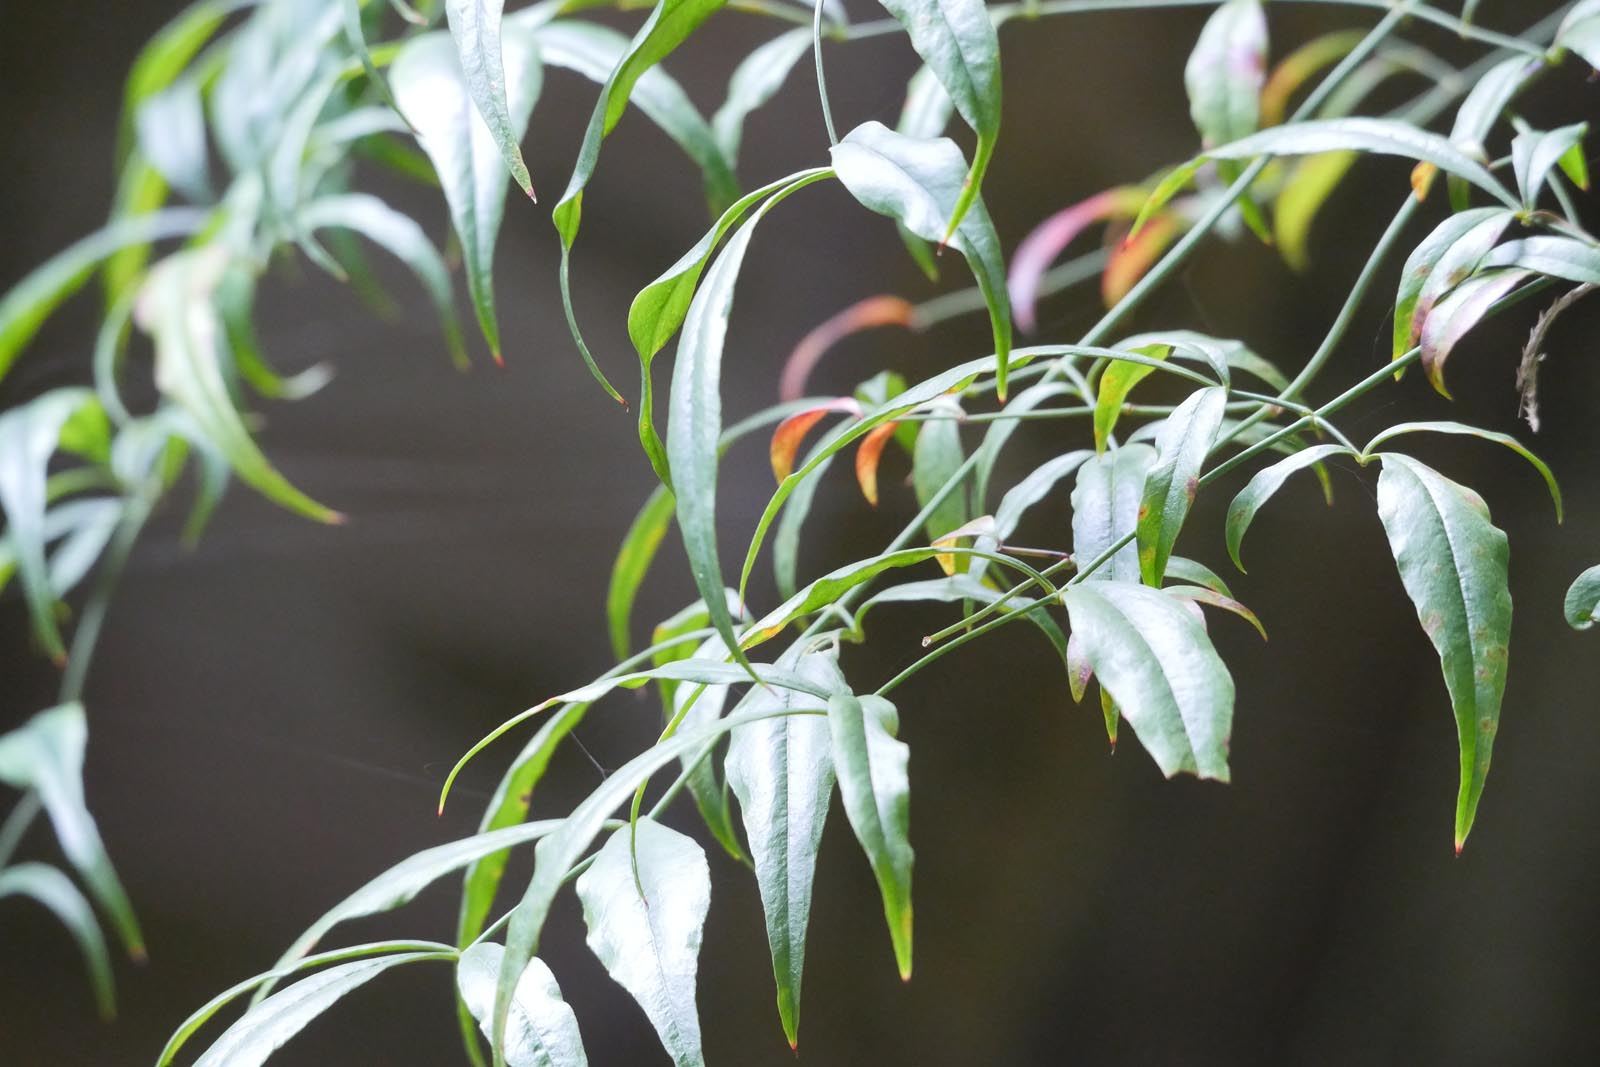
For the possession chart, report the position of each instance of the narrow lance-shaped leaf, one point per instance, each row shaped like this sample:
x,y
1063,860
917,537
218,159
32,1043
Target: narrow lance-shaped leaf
x,y
55,891
638,551
919,183
1174,478
782,772
475,28
1374,136
1105,509
176,308
871,764
1566,258
756,80
957,41
691,707
1453,562
1155,661
269,1025
645,900
937,459
1580,31
1458,313
172,138
1463,430
543,1030
433,93
1261,487
1488,100
46,754
1116,382
1535,153
1224,78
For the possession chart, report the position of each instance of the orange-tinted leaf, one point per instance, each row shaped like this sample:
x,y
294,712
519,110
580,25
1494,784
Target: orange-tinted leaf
x,y
1422,176
791,431
868,453
863,315
1137,254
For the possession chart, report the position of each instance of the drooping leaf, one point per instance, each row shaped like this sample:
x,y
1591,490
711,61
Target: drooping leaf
x,y
191,1025
1580,31
176,308
25,307
1301,197
1369,135
920,184
1173,479
29,436
1180,569
46,754
1261,487
1033,488
401,237
691,707
1455,316
1046,241
645,900
1582,603
1566,258
1420,267
786,542
669,24
1299,66
1456,264
865,314
55,891
1452,561
868,456
756,80
172,138
957,41
638,550
1157,664
436,94
1488,100
1116,383
781,771
1105,509
661,307
871,765
1473,431
487,74
543,1029
1202,595
269,1025
1131,259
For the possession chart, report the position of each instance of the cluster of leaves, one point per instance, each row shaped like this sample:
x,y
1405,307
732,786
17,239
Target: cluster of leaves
x,y
295,96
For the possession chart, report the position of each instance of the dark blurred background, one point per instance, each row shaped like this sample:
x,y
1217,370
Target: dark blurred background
x,y
272,713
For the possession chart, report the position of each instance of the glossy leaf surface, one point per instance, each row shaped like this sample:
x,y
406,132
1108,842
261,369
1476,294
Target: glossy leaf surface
x,y
543,1029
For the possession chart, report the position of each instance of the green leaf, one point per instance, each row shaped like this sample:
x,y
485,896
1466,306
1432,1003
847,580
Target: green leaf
x,y
29,437
661,307
162,61
1422,263
645,900
958,587
543,1029
191,1025
871,765
25,307
1455,316
669,24
756,80
1580,31
1180,569
1033,488
1301,197
400,884
786,542
638,551
269,1025
1535,153
937,458
1116,382
1212,598
401,237
176,308
1473,431
436,97
1226,71
1174,478
1155,661
782,773
692,707
475,28
46,754
172,138
999,432
1374,136
1582,604
1488,100
919,182
55,891
957,41
1555,257
1105,509
1452,560
1266,482
1456,264
926,113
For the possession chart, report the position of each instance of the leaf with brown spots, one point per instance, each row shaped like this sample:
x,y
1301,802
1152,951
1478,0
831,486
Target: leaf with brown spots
x,y
1452,560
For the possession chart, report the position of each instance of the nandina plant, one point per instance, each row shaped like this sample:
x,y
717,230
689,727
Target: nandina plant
x,y
243,128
